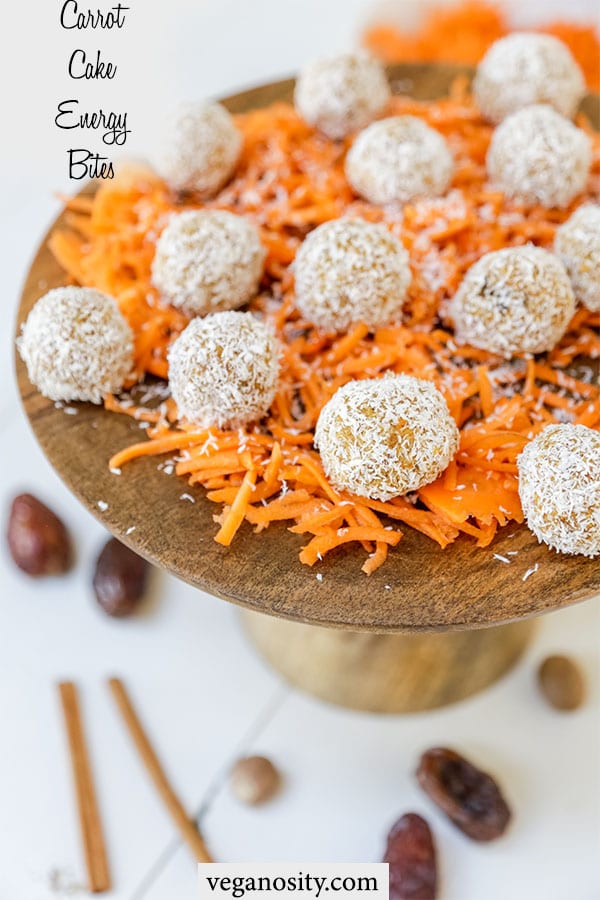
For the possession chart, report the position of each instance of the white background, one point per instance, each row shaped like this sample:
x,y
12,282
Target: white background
x,y
202,692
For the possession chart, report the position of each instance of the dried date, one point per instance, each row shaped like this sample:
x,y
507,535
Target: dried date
x,y
411,854
469,797
120,579
37,539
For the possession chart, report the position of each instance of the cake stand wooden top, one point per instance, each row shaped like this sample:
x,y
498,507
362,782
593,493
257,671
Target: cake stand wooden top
x,y
420,588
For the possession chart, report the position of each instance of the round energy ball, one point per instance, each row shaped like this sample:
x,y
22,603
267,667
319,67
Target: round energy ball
x,y
538,156
223,370
399,159
577,243
349,271
203,149
76,345
524,69
341,94
207,261
559,487
516,300
384,437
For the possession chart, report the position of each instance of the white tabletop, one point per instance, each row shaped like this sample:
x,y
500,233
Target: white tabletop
x,y
201,690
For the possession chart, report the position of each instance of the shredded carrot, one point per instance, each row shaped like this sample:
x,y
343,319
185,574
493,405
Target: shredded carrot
x,y
156,447
236,513
376,559
462,33
323,543
315,523
269,475
485,391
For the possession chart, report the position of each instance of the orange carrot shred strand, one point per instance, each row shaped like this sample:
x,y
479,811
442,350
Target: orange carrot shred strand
x,y
237,510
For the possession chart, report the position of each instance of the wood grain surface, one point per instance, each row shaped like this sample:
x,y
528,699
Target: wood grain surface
x,y
420,588
387,673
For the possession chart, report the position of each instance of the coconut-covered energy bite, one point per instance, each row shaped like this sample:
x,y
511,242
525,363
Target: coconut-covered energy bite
x,y
207,261
223,370
341,94
384,437
538,156
76,345
577,243
203,148
559,487
524,69
516,300
399,159
349,271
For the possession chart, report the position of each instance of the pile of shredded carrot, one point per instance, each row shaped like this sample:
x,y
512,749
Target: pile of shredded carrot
x,y
289,180
462,33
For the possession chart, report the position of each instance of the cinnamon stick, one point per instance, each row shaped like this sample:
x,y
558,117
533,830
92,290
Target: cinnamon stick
x,y
186,827
89,816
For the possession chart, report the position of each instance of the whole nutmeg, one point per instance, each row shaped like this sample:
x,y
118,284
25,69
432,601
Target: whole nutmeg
x,y
120,579
254,780
561,682
38,541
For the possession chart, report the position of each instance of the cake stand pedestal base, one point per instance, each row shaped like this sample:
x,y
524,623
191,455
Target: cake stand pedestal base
x,y
387,673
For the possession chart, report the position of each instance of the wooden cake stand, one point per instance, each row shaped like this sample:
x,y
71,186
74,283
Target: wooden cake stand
x,y
430,627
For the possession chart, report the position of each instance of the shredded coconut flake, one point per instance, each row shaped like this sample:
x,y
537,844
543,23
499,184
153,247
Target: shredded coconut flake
x,y
525,69
530,572
158,391
577,243
349,271
537,156
514,300
207,261
559,487
204,148
385,437
223,370
398,160
342,94
76,345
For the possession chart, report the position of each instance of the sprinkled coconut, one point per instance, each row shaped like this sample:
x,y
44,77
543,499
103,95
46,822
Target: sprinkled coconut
x,y
341,94
399,159
207,261
577,243
524,69
538,156
516,300
559,486
384,437
203,149
76,345
223,370
350,271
